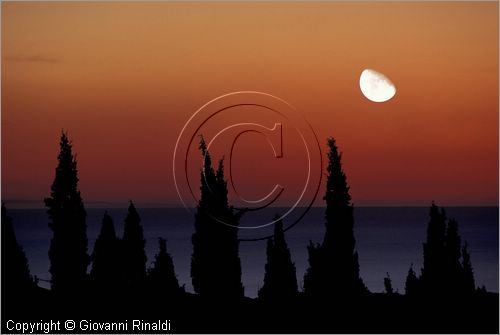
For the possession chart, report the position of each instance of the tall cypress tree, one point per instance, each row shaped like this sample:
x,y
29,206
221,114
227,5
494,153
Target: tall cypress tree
x,y
280,279
68,246
333,266
16,277
134,252
106,273
215,263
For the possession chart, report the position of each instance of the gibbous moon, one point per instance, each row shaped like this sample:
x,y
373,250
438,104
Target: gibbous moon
x,y
375,86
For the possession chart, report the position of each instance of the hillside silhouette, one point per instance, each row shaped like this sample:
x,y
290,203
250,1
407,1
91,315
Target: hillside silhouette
x,y
113,281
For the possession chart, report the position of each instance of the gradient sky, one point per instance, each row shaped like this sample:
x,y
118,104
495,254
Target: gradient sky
x,y
123,78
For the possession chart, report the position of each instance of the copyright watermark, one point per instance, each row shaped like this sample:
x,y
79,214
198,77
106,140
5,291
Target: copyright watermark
x,y
88,326
271,155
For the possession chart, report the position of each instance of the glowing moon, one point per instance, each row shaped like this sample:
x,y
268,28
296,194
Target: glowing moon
x,y
375,86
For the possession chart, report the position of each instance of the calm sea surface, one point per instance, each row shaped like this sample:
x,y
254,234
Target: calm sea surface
x,y
388,240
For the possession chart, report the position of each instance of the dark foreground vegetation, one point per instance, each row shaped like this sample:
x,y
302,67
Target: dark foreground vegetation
x,y
112,285
374,313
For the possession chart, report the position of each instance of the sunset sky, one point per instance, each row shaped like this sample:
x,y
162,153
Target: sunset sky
x,y
123,78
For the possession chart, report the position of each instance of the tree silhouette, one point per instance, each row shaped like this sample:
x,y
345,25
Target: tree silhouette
x,y
388,285
316,277
433,272
162,278
333,266
452,258
215,263
134,250
106,273
280,280
469,284
16,278
443,273
68,246
412,283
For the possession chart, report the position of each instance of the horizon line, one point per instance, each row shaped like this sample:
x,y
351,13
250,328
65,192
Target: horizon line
x,y
28,204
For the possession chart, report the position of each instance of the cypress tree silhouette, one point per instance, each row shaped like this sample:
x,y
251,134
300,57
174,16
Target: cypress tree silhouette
x,y
333,266
469,284
388,285
316,277
134,250
443,273
161,277
280,280
106,273
412,283
433,272
215,263
16,278
453,268
68,246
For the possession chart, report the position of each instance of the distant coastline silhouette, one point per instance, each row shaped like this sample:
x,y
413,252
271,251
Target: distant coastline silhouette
x,y
113,281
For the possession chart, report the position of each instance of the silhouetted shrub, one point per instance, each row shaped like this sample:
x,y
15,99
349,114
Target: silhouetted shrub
x,y
412,283
280,280
388,285
107,264
161,277
16,277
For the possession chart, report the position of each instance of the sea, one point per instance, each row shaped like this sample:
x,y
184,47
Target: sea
x,y
388,241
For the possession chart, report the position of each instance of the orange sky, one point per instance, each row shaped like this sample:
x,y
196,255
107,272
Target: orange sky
x,y
123,78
